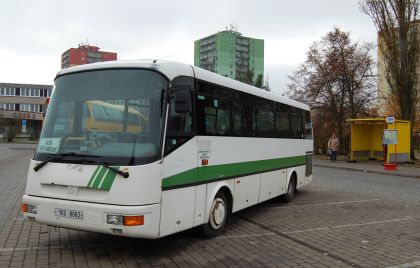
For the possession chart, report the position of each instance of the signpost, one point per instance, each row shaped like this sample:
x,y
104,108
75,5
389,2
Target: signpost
x,y
24,121
390,120
390,136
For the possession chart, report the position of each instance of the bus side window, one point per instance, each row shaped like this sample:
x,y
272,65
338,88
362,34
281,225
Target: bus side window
x,y
282,121
243,114
265,119
213,115
296,123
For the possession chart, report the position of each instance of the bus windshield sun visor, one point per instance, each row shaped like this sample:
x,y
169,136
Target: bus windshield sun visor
x,y
82,160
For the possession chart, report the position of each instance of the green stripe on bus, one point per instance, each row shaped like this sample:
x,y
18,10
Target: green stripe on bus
x,y
93,176
99,177
186,177
109,180
209,173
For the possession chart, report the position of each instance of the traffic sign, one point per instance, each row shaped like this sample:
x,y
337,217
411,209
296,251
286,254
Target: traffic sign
x,y
24,121
390,120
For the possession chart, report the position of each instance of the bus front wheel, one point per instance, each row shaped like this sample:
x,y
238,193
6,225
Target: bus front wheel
x,y
219,212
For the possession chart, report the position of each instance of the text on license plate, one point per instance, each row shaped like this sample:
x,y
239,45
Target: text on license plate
x,y
68,213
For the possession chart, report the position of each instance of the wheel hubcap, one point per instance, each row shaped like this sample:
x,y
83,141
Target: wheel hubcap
x,y
218,213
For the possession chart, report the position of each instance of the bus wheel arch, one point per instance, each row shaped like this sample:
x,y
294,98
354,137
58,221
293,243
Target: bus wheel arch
x,y
229,197
219,212
291,188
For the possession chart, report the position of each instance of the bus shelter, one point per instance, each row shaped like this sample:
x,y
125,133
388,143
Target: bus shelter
x,y
367,140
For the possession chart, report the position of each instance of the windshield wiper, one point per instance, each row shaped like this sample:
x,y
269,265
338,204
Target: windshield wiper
x,y
80,156
52,158
106,165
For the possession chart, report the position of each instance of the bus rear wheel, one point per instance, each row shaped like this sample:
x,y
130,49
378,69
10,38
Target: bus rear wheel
x,y
291,190
219,212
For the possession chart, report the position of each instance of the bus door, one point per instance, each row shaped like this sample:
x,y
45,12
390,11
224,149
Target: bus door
x,y
180,168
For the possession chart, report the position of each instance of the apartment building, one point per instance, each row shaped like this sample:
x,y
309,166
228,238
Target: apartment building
x,y
24,105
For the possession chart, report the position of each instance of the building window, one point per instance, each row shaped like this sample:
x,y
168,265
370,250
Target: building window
x,y
7,91
7,106
25,92
44,93
25,107
35,92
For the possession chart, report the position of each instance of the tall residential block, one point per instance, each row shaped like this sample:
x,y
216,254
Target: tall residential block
x,y
229,53
84,54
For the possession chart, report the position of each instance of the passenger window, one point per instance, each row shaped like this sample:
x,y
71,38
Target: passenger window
x,y
266,118
282,121
296,122
213,110
243,114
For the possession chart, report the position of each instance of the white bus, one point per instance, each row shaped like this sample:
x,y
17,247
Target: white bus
x,y
209,146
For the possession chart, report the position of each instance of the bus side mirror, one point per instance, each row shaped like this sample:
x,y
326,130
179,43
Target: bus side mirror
x,y
182,98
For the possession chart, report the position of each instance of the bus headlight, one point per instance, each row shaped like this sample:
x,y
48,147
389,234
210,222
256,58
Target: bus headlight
x,y
29,208
125,220
115,219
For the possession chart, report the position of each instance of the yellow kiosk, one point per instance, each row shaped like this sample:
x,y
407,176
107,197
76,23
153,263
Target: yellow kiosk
x,y
367,140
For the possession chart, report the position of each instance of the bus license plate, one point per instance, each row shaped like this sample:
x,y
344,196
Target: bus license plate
x,y
68,213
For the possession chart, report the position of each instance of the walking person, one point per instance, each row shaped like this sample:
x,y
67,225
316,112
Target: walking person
x,y
333,147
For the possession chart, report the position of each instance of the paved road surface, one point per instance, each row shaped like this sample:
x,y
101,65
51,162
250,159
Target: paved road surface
x,y
343,219
14,162
386,187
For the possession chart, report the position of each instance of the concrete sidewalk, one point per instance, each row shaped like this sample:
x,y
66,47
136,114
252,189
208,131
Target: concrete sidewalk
x,y
370,166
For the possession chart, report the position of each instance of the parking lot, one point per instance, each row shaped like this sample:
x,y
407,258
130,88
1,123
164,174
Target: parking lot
x,y
343,218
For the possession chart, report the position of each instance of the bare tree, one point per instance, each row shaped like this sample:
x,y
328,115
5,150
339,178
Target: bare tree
x,y
259,81
396,23
246,76
336,81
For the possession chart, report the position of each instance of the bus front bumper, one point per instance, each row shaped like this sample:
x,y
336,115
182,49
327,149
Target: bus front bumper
x,y
92,217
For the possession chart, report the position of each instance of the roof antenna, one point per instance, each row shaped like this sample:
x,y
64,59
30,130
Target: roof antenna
x,y
154,61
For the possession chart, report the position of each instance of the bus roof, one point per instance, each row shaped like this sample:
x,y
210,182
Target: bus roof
x,y
173,69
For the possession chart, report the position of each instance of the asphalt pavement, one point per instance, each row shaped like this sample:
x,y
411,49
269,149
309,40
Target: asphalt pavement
x,y
344,218
403,170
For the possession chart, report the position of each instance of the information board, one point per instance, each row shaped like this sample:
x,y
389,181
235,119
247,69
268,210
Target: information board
x,y
390,136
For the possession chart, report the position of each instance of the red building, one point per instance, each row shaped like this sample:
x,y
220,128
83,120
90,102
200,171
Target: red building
x,y
85,54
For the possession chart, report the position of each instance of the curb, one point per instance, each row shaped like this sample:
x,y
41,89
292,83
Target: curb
x,y
371,171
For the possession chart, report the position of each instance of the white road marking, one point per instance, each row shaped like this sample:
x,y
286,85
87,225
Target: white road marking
x,y
242,236
410,218
406,265
328,203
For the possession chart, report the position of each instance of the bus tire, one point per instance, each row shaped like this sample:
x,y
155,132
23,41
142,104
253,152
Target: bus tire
x,y
219,213
291,190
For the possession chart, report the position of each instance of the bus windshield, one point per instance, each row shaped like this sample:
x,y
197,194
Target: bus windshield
x,y
113,115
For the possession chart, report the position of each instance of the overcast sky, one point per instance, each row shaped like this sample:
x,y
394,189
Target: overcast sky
x,y
35,33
